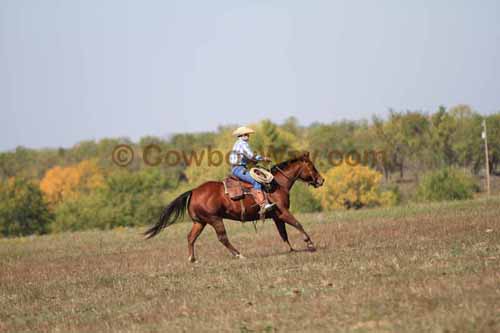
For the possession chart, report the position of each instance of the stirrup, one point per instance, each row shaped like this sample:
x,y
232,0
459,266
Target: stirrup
x,y
270,205
264,208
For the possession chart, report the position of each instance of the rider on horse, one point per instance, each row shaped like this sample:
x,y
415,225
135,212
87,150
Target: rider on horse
x,y
239,157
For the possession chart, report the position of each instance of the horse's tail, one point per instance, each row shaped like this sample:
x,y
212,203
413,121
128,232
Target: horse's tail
x,y
173,212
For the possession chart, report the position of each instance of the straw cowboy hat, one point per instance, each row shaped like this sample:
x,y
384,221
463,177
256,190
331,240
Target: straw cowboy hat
x,y
243,130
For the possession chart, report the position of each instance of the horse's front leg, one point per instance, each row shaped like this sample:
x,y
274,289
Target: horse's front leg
x,y
280,225
288,218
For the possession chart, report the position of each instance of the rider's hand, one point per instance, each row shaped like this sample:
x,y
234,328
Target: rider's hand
x,y
266,159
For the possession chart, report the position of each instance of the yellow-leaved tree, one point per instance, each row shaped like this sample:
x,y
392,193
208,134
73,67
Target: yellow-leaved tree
x,y
60,184
356,186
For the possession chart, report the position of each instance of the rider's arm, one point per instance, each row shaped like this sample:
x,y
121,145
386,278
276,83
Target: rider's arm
x,y
247,151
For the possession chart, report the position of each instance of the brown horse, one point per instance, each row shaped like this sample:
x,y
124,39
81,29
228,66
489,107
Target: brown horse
x,y
208,204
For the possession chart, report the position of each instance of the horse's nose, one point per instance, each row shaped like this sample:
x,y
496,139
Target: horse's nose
x,y
321,180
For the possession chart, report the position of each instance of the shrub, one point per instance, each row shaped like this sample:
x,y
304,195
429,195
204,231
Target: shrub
x,y
23,210
302,200
353,187
446,184
390,196
127,199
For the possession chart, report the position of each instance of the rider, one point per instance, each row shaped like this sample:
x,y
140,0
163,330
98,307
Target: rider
x,y
239,157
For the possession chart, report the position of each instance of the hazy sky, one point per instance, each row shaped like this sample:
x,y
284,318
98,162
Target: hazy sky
x,y
75,70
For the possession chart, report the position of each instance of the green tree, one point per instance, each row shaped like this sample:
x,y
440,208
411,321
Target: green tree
x,y
23,210
442,130
493,127
19,163
212,163
405,137
389,140
127,199
325,141
466,137
291,125
272,141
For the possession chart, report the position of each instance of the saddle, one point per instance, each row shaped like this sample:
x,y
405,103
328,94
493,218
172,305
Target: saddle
x,y
235,188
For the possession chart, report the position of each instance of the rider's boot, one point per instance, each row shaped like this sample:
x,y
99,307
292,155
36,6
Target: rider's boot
x,y
262,201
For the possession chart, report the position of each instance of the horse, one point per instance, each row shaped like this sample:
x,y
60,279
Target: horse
x,y
208,204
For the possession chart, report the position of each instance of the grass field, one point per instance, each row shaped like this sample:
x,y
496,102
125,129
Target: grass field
x,y
406,269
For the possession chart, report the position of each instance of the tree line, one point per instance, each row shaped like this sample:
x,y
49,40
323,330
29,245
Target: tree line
x,y
52,190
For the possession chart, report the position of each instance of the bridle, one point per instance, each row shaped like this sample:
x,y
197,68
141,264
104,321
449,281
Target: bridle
x,y
304,165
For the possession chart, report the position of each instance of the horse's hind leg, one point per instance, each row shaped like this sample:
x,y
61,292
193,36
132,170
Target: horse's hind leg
x,y
222,236
192,236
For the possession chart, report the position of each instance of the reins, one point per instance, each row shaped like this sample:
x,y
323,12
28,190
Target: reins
x,y
298,173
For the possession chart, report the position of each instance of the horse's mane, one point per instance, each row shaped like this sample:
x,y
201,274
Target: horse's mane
x,y
284,164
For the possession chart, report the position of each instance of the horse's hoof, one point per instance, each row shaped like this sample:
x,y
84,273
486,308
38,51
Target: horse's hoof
x,y
311,248
192,260
240,256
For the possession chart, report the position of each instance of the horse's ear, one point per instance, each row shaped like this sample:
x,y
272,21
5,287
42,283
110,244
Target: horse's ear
x,y
304,156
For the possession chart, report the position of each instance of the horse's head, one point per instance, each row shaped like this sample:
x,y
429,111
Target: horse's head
x,y
308,172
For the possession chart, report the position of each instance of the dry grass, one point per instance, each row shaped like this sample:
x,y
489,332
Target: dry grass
x,y
418,268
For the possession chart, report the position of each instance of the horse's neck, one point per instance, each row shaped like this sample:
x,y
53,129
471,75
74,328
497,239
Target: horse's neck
x,y
287,176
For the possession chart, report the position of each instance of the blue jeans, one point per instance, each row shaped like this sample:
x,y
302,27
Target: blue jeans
x,y
242,173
